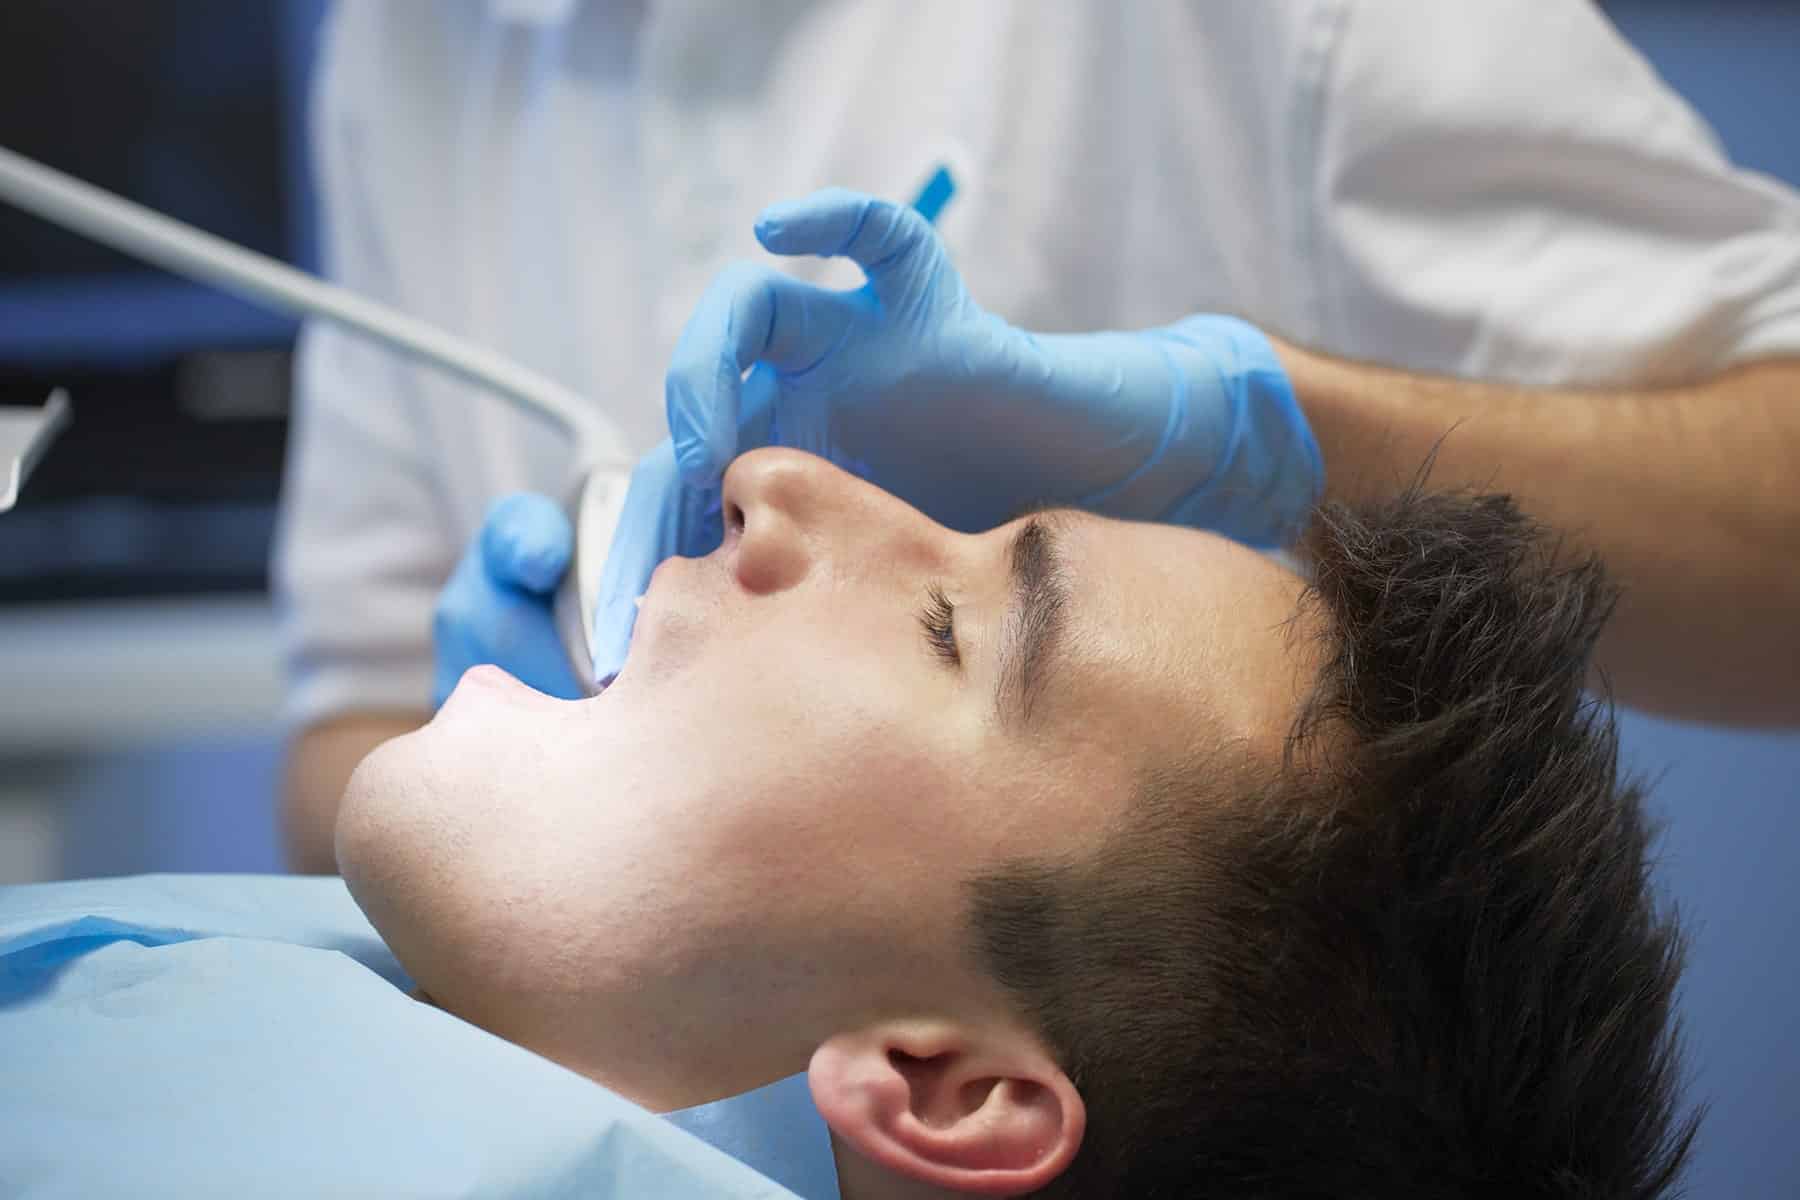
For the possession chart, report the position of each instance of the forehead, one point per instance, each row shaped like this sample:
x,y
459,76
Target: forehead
x,y
1176,634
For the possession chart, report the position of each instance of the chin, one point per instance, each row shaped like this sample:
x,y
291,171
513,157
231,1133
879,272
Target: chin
x,y
385,830
416,845
389,851
358,821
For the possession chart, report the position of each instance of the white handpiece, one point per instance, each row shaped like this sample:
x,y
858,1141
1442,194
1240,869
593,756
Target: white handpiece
x,y
595,500
595,507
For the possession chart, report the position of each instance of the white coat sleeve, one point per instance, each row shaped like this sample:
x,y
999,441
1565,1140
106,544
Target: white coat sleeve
x,y
363,544
1506,189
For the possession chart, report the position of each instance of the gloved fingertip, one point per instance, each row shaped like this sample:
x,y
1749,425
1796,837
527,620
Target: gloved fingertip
x,y
768,229
540,568
526,541
812,224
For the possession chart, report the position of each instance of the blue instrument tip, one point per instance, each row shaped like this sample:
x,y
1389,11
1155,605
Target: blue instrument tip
x,y
935,193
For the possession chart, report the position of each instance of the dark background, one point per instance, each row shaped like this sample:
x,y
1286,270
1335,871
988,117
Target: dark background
x,y
166,482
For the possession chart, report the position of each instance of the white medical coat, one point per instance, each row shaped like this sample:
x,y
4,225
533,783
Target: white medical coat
x,y
1495,188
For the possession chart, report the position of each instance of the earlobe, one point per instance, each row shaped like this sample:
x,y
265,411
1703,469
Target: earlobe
x,y
987,1115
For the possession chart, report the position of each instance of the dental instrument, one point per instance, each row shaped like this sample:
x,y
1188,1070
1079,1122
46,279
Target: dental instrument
x,y
595,498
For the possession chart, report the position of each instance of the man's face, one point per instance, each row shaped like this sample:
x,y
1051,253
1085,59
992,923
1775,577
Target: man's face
x,y
824,729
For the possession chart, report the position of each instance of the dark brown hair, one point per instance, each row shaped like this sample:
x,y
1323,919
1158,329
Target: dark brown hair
x,y
1420,956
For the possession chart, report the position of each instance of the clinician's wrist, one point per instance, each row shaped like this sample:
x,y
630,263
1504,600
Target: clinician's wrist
x,y
1355,424
1270,471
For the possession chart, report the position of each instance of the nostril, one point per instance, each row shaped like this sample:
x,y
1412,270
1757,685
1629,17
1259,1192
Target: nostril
x,y
734,515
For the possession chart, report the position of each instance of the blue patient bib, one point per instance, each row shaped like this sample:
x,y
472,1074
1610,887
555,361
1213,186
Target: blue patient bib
x,y
197,1036
776,1130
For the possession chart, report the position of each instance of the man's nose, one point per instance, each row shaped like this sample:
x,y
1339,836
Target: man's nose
x,y
788,511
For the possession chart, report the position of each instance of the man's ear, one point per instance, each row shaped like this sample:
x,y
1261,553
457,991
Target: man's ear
x,y
982,1113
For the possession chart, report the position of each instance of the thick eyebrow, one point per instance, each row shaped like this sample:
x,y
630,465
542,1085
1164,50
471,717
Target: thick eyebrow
x,y
1035,616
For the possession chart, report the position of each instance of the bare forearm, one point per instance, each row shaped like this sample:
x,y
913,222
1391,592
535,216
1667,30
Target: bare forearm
x,y
1688,494
319,764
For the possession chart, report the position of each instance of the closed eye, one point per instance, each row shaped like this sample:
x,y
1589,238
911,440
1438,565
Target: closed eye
x,y
938,619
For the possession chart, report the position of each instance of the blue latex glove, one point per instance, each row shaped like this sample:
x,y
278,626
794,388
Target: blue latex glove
x,y
496,607
910,382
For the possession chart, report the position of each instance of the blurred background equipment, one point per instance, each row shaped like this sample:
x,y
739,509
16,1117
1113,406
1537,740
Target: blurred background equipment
x,y
25,433
139,682
138,709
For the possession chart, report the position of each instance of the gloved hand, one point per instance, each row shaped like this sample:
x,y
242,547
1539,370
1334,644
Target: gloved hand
x,y
908,381
496,607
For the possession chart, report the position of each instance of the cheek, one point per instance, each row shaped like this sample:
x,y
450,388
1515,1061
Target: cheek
x,y
834,763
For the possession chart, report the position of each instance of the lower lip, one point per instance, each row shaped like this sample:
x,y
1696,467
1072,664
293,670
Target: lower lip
x,y
488,675
491,679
